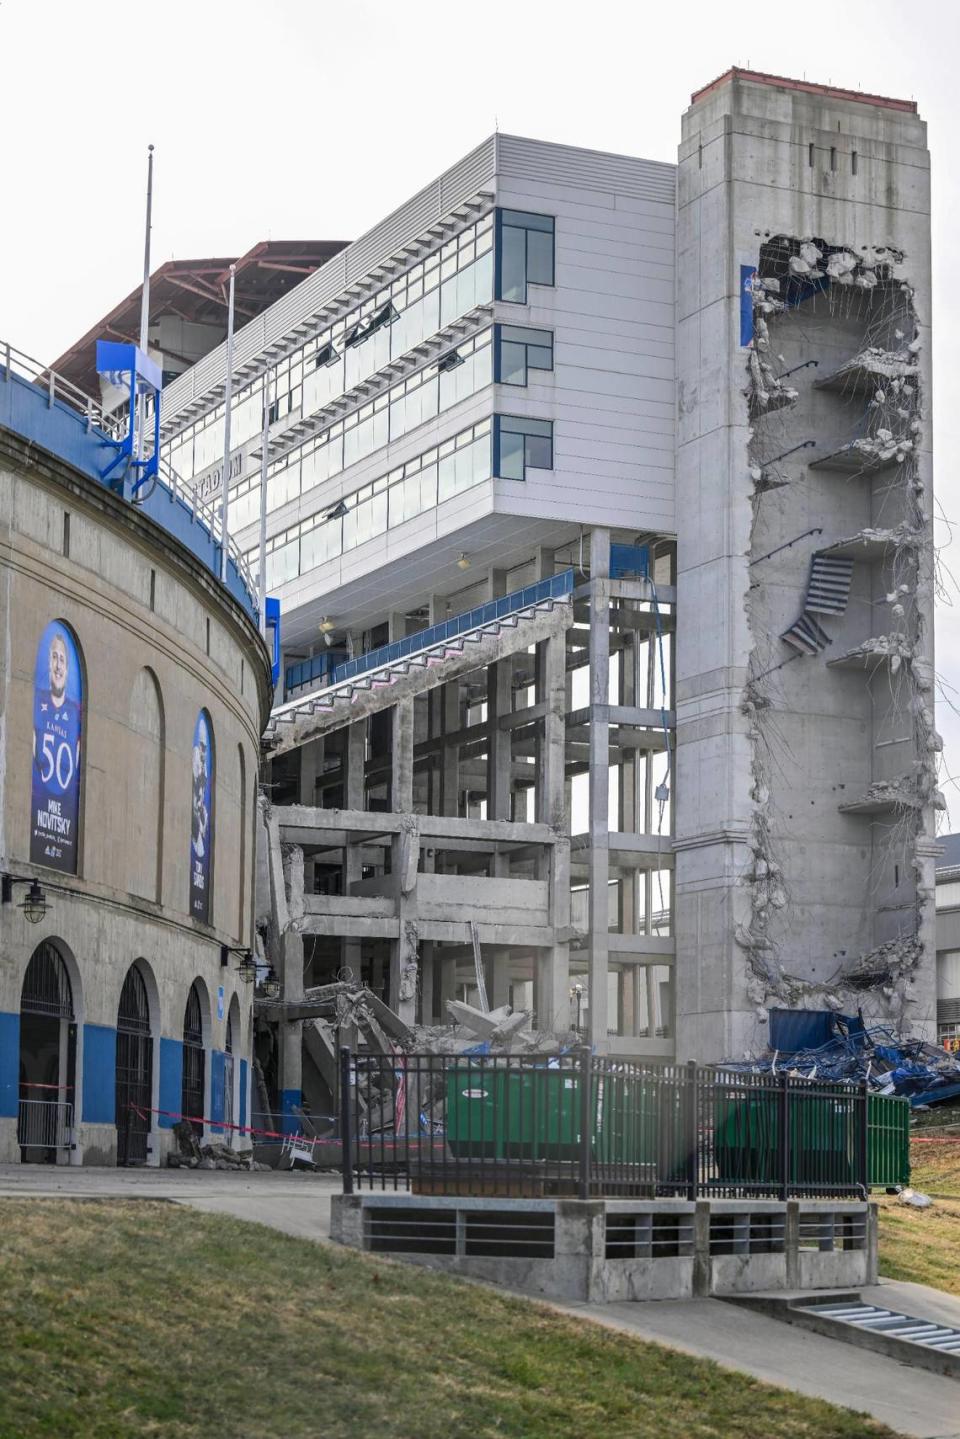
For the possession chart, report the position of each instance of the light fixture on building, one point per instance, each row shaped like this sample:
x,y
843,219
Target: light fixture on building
x,y
270,984
34,903
326,624
463,561
247,965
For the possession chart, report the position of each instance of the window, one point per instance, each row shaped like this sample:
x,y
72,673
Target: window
x,y
519,444
524,253
326,355
520,350
948,894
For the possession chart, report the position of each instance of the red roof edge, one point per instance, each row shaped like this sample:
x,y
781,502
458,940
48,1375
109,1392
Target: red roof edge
x,y
808,87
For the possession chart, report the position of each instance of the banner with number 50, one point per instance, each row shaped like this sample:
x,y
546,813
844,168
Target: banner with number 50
x,y
57,722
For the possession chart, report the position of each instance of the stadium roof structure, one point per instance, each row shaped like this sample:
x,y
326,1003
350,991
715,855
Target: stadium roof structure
x,y
196,291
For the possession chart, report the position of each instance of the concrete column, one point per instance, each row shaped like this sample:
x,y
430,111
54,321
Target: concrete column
x,y
499,743
404,950
450,761
289,1033
448,983
426,983
401,787
500,988
553,964
599,862
354,757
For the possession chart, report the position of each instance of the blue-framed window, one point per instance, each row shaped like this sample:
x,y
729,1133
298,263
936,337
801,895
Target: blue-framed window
x,y
520,443
518,350
524,254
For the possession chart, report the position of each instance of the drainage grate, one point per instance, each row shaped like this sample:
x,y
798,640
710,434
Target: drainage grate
x,y
410,1231
891,1323
830,1232
508,1234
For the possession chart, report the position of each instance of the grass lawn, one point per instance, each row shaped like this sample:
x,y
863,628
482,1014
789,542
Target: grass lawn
x,y
923,1245
135,1318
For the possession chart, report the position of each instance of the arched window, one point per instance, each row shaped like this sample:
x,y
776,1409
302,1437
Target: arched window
x,y
48,1046
194,1067
134,1070
143,799
57,724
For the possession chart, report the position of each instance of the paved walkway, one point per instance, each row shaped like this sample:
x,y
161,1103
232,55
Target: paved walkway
x,y
296,1203
912,1402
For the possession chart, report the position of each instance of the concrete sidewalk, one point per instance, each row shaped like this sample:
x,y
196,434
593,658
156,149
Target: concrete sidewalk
x,y
911,1401
295,1202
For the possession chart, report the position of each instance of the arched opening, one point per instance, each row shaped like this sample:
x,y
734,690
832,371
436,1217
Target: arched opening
x,y
48,1059
144,801
134,1070
194,1060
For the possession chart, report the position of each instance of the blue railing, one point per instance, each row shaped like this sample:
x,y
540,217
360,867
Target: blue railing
x,y
554,588
317,667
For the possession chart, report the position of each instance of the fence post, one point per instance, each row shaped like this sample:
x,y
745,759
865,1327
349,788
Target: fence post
x,y
783,1136
586,1135
346,1135
863,1149
692,1128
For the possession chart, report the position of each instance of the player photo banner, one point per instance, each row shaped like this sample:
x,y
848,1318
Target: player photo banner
x,y
201,832
57,721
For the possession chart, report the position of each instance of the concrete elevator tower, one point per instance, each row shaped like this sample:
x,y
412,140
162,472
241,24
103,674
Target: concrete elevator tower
x,y
806,743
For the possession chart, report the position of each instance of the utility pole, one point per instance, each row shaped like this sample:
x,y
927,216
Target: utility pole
x,y
227,404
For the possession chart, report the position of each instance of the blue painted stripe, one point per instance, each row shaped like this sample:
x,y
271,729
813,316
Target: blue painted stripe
x,y
290,1099
9,1064
171,1081
99,1074
218,1088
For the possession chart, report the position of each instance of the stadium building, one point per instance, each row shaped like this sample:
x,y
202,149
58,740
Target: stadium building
x,y
598,508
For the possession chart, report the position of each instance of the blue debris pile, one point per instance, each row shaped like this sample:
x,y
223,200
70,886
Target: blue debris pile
x,y
819,1044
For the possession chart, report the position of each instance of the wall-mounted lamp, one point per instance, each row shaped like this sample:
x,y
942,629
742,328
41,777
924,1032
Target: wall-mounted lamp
x,y
247,966
463,561
34,903
326,624
270,984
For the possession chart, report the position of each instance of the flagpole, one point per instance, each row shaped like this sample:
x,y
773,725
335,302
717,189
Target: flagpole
x,y
264,445
145,300
227,404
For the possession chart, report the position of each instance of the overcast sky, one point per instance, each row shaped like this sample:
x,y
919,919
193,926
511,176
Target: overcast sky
x,y
302,120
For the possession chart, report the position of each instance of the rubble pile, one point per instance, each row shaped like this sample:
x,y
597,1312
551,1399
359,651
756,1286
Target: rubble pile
x,y
191,1154
889,1063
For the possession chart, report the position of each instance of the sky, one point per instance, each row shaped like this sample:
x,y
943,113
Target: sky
x,y
296,121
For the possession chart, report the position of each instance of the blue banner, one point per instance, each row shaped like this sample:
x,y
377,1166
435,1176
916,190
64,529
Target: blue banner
x,y
201,834
57,721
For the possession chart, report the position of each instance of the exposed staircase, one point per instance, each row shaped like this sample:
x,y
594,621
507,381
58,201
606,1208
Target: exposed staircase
x,y
422,662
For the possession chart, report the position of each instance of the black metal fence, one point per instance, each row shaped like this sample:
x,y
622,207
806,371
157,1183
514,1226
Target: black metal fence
x,y
582,1126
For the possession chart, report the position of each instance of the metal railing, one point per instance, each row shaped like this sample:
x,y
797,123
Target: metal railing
x,y
45,1124
575,1124
59,390
319,666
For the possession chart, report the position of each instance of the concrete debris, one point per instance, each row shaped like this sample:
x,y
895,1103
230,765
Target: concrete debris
x,y
889,431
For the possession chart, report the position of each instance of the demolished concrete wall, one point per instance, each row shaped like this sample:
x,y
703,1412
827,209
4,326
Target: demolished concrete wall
x,y
806,787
